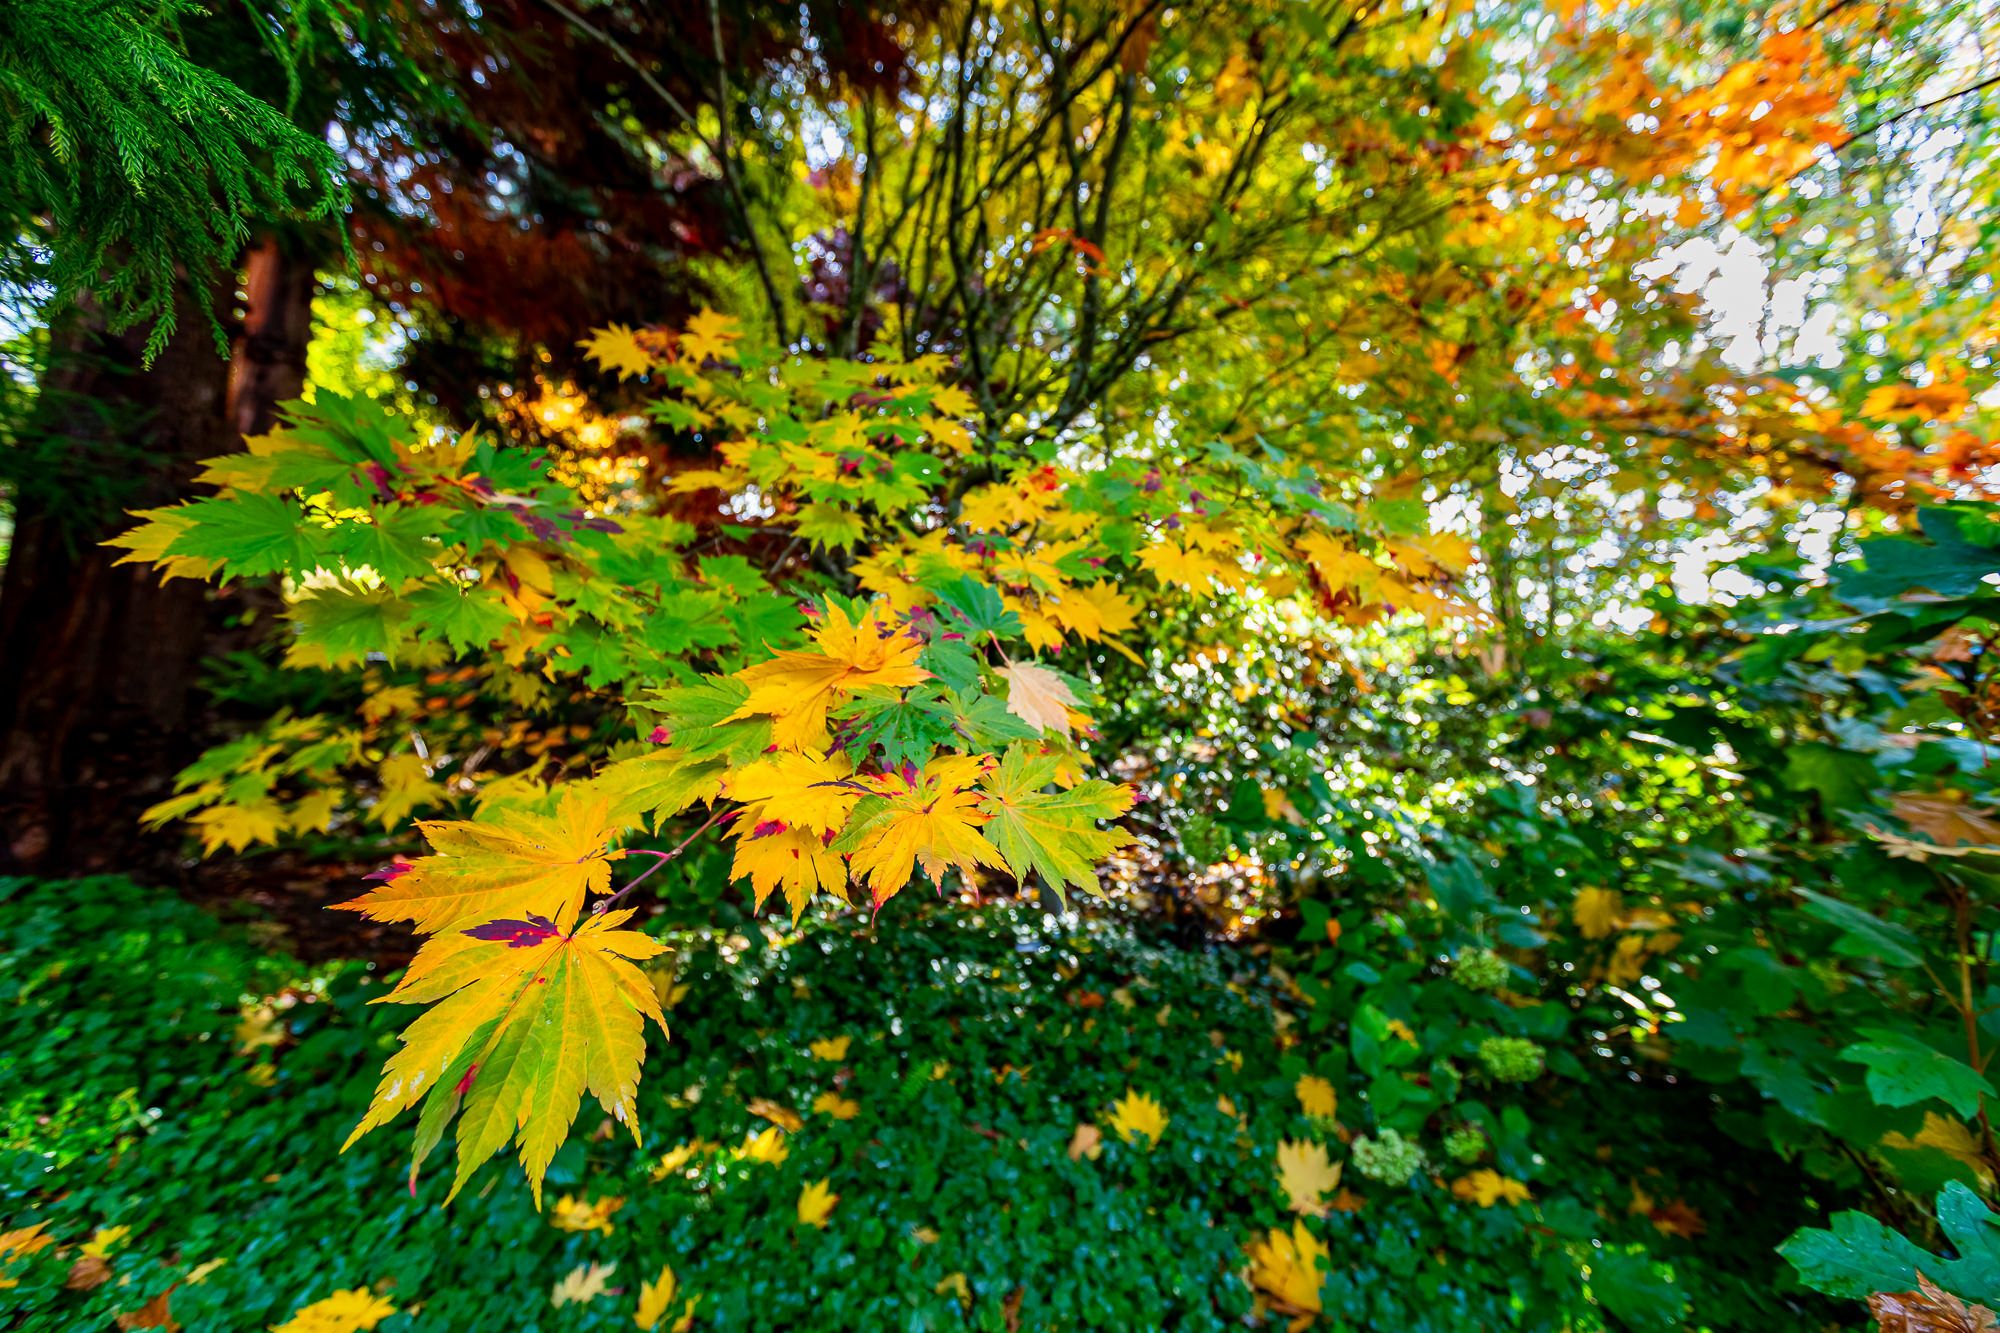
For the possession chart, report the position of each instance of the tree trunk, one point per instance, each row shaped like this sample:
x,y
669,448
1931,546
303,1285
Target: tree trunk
x,y
268,364
98,706
100,659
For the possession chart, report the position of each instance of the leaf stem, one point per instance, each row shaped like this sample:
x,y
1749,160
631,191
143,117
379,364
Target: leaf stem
x,y
662,858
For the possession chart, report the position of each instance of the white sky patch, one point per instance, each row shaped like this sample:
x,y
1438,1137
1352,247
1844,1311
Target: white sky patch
x,y
1753,319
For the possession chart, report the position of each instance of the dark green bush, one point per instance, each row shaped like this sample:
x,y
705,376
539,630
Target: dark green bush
x,y
128,1103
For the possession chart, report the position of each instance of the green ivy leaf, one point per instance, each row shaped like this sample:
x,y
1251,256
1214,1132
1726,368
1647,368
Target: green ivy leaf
x,y
1903,1071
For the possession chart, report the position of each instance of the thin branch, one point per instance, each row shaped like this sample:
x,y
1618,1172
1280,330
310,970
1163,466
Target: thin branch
x,y
1917,110
663,857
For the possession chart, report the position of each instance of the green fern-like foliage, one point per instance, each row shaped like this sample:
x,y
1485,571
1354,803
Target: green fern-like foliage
x,y
131,166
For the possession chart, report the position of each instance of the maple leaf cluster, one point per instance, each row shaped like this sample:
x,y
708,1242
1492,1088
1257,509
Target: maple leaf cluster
x,y
845,736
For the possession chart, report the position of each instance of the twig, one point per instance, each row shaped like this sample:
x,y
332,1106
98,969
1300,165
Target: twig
x,y
664,857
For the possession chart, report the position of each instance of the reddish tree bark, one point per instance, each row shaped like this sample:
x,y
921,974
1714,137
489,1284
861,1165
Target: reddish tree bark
x,y
98,700
99,666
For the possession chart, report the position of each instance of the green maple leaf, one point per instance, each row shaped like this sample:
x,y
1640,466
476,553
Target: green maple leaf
x,y
467,619
983,720
1053,833
1903,1070
395,545
909,728
687,620
479,526
766,622
592,650
830,525
349,623
251,534
693,715
975,609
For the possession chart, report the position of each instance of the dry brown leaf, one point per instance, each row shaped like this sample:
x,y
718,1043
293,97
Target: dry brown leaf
x,y
1038,697
1928,1309
153,1314
87,1273
1946,822
1088,1141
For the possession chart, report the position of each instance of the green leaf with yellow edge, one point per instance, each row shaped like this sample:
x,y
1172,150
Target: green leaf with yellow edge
x,y
250,534
543,1016
659,784
468,619
1052,833
829,525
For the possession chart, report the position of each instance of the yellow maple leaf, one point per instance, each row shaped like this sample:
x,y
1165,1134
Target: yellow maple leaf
x,y
616,347
796,860
816,1202
19,1244
516,864
1946,1135
931,819
831,1049
766,1146
1316,1096
710,335
657,1297
1487,1187
573,1214
795,689
1307,1175
835,1105
1003,505
237,827
104,1241
677,1157
953,401
1938,402
948,433
578,994
342,1312
796,790
1090,611
1137,1115
1285,1267
1172,563
1342,567
1438,553
1597,912
582,1285
784,1117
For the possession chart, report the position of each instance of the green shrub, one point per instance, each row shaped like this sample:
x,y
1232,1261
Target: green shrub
x,y
978,1041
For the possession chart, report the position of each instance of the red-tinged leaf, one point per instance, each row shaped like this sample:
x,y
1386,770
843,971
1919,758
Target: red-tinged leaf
x,y
518,1031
